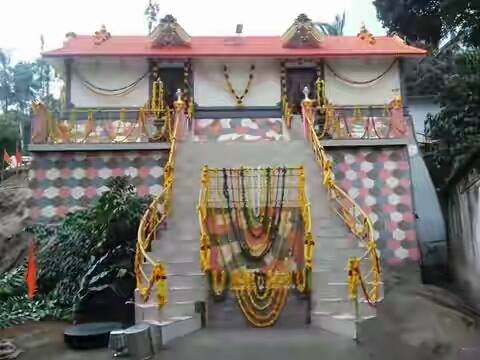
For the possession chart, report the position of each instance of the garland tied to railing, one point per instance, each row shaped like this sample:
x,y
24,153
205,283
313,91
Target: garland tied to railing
x,y
239,98
354,218
337,126
151,222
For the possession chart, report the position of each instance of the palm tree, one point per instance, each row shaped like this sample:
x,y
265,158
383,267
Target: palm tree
x,y
335,28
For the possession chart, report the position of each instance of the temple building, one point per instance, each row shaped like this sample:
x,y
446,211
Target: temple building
x,y
323,115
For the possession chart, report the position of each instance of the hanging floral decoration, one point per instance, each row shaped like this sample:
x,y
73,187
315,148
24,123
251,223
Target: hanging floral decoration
x,y
357,83
262,220
187,70
261,296
120,91
283,77
218,284
239,98
250,202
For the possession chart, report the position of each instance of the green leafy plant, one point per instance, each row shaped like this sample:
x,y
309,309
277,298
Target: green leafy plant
x,y
17,309
12,283
88,252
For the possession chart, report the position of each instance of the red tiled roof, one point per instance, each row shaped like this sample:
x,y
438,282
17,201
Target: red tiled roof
x,y
209,46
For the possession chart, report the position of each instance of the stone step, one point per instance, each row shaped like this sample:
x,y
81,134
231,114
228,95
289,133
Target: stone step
x,y
177,295
148,312
163,332
333,223
184,267
339,325
329,290
332,275
187,228
167,248
178,267
191,256
227,313
182,281
324,286
341,307
338,254
330,262
335,242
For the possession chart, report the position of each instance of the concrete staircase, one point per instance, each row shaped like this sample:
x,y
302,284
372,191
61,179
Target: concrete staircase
x,y
178,244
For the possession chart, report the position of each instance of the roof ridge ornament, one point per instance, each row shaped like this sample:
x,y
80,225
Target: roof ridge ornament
x,y
102,35
169,33
364,34
302,34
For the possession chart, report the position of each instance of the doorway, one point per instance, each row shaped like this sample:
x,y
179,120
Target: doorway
x,y
297,79
172,79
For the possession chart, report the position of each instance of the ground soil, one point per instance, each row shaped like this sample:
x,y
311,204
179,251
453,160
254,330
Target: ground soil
x,y
14,194
417,322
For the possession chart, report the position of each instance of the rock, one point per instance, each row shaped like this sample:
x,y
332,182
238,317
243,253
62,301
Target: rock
x,y
14,193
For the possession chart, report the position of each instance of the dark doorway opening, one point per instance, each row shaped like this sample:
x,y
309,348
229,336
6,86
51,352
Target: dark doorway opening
x,y
172,79
297,79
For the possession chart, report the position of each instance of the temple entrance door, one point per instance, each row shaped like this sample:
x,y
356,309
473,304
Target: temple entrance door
x,y
297,79
172,80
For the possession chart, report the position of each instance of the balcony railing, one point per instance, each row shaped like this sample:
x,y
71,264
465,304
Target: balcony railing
x,y
366,122
79,126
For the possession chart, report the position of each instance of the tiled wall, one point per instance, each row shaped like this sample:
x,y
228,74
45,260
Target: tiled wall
x,y
238,129
379,180
64,181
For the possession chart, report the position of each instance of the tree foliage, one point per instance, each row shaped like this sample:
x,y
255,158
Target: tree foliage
x,y
89,251
430,21
334,28
20,84
457,126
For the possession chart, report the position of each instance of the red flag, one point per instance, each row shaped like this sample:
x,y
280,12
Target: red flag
x,y
18,157
6,157
31,273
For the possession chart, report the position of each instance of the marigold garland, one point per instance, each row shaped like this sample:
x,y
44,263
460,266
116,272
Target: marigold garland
x,y
239,98
261,296
218,282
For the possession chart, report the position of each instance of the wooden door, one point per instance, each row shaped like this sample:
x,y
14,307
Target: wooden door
x,y
297,79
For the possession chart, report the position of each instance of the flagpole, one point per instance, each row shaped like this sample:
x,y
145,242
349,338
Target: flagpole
x,y
3,169
16,159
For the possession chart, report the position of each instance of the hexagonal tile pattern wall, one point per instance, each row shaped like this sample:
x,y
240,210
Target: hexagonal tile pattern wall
x,y
64,181
238,129
379,180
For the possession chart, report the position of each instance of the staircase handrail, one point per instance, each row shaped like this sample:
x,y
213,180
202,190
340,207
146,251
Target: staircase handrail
x,y
354,217
155,216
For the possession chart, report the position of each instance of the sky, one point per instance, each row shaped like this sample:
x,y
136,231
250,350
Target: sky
x,y
24,21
